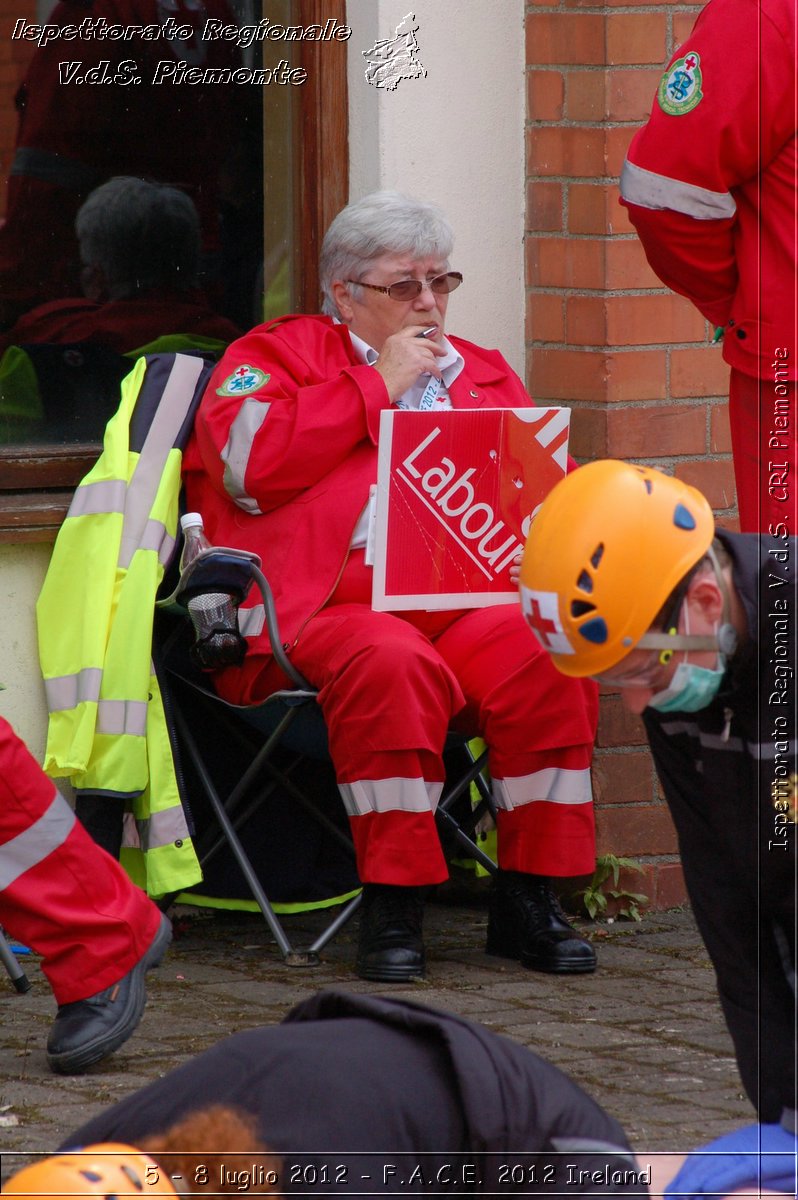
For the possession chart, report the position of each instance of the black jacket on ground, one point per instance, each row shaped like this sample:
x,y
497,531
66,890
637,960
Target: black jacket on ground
x,y
719,768
379,1096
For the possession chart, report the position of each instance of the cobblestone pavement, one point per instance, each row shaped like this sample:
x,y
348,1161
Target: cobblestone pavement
x,y
644,1035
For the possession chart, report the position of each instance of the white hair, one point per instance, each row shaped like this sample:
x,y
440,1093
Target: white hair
x,y
380,223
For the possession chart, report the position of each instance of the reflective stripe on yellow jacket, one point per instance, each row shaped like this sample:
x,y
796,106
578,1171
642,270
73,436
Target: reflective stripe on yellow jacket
x,y
107,731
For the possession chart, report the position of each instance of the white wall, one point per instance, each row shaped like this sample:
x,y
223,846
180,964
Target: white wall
x,y
455,137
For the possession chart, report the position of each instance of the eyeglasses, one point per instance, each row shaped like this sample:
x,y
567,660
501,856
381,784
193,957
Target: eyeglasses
x,y
409,289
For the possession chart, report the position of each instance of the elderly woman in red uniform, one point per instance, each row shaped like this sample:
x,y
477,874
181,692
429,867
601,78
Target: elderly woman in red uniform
x,y
283,455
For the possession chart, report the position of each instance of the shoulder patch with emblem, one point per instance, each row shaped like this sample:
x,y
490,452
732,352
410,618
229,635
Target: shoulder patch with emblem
x,y
680,87
244,379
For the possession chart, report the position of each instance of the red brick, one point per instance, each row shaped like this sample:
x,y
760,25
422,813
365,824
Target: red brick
x,y
565,38
630,831
557,375
545,92
585,95
544,207
635,320
700,372
564,150
683,26
616,143
565,262
630,94
636,375
588,432
617,725
636,38
623,778
656,431
545,317
656,319
671,889
586,320
626,266
714,479
587,208
719,429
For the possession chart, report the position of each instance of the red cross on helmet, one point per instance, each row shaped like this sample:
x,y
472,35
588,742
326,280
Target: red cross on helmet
x,y
609,544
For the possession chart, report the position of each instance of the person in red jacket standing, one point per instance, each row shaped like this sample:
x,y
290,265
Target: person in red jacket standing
x,y
283,455
710,184
62,895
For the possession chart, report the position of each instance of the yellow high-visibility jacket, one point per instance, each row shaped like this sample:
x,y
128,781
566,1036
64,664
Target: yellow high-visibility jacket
x,y
107,730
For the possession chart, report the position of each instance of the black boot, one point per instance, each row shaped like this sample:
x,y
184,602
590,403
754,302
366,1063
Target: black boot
x,y
390,948
526,922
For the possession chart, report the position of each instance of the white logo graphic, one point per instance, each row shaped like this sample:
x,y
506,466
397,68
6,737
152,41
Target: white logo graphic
x,y
541,610
391,60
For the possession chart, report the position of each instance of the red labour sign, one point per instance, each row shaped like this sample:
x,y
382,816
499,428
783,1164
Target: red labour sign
x,y
456,492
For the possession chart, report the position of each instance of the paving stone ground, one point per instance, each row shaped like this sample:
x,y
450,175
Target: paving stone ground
x,y
643,1035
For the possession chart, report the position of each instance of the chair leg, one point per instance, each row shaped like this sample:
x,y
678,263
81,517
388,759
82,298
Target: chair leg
x,y
15,972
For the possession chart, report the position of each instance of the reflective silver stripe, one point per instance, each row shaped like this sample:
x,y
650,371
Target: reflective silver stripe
x,y
235,455
584,1145
55,168
160,829
555,784
648,190
104,496
251,620
34,844
389,795
761,751
122,716
161,436
156,538
68,691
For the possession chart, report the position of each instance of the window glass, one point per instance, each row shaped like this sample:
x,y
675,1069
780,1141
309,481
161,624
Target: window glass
x,y
135,168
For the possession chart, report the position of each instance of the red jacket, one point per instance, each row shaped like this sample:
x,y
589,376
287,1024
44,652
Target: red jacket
x,y
285,471
710,180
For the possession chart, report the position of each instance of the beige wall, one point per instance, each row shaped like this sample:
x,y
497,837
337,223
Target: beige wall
x,y
456,137
22,570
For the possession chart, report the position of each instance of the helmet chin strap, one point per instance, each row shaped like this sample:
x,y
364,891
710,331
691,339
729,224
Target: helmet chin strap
x,y
723,640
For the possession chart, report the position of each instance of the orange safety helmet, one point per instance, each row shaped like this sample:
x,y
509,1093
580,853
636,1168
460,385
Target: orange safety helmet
x,y
608,546
108,1169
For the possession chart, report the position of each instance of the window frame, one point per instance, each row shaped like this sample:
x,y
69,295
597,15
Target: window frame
x,y
37,481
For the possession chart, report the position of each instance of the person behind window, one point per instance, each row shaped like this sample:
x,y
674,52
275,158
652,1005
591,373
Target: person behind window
x,y
283,454
140,252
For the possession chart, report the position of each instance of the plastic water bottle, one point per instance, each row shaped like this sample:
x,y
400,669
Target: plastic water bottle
x,y
214,615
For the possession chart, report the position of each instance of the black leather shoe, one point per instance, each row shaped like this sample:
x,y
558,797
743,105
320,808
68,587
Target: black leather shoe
x,y
526,922
87,1030
390,948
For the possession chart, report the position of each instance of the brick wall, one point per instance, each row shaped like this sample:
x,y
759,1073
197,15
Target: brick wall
x,y
14,59
632,360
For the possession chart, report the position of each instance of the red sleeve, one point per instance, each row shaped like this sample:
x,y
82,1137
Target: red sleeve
x,y
278,415
684,165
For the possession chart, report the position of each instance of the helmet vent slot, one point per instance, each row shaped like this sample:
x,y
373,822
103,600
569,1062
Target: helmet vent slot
x,y
585,582
580,607
596,556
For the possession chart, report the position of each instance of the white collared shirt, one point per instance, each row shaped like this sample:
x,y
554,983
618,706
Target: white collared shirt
x,y
450,366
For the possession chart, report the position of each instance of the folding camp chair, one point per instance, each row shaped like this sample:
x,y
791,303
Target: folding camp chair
x,y
14,970
289,718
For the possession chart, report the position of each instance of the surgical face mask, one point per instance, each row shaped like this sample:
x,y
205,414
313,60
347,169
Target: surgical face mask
x,y
692,687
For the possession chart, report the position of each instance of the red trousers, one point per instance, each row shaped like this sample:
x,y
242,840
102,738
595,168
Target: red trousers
x,y
59,892
391,686
765,447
